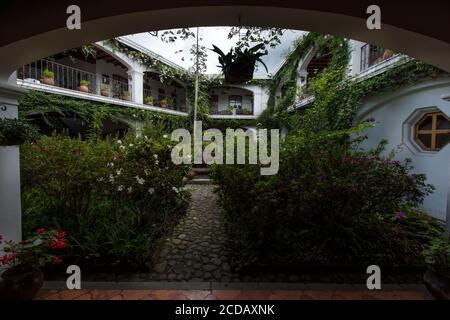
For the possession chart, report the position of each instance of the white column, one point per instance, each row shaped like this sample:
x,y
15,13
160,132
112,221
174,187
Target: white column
x,y
10,205
137,86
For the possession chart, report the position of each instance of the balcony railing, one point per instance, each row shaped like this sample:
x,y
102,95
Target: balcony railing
x,y
71,78
372,55
233,111
166,103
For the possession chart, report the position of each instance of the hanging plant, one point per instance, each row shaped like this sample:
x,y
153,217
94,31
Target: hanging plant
x,y
15,132
238,65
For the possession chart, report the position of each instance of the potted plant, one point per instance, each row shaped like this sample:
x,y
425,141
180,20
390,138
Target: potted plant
x,y
14,132
229,109
84,86
388,53
246,110
163,103
148,100
104,90
170,103
239,65
48,77
23,279
126,95
437,277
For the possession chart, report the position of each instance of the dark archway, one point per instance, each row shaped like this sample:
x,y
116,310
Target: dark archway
x,y
103,19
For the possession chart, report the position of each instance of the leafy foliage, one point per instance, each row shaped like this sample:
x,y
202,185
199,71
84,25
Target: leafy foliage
x,y
329,203
116,199
15,132
437,255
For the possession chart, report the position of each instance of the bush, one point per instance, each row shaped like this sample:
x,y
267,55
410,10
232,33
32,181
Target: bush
x,y
15,132
116,199
437,256
329,203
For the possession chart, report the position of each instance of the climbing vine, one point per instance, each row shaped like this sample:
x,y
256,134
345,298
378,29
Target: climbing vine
x,y
91,113
336,96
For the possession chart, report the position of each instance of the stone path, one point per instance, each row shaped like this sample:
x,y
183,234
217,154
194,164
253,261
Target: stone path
x,y
196,251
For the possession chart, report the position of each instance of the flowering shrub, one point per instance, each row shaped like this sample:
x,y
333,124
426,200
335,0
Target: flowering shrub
x,y
117,198
329,203
40,249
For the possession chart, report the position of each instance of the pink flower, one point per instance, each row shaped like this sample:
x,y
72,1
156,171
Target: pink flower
x,y
56,260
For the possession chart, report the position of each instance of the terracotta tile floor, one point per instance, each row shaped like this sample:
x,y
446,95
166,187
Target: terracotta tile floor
x,y
227,295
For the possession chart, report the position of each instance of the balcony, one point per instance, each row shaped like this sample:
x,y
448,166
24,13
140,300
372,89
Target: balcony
x,y
48,73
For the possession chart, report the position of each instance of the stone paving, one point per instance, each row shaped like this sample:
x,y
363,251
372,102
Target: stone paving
x,y
196,251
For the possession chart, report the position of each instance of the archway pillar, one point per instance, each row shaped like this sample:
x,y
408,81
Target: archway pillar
x,y
137,85
10,198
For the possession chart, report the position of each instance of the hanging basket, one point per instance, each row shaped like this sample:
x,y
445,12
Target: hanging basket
x,y
239,71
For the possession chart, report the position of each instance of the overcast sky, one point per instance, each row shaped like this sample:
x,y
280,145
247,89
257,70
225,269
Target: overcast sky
x,y
219,37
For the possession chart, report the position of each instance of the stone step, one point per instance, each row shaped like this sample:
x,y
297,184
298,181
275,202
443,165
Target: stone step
x,y
200,179
201,170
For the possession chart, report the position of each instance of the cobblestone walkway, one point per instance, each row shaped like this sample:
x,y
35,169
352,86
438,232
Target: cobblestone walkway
x,y
196,249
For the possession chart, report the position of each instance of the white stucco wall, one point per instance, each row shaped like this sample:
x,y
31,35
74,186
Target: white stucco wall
x,y
260,97
10,201
393,113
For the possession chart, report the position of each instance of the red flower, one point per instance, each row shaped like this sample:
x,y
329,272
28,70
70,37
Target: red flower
x,y
56,260
41,230
58,244
7,258
60,234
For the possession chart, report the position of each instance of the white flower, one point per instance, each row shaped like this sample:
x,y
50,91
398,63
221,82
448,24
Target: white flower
x,y
165,136
155,156
120,188
146,172
175,189
151,190
119,141
122,147
146,138
110,164
119,171
130,189
100,179
130,145
140,180
111,178
156,162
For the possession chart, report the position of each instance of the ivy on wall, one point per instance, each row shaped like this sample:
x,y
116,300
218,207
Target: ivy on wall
x,y
337,97
92,113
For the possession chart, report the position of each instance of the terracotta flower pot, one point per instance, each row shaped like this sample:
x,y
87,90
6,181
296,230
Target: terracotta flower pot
x,y
387,54
21,284
437,284
104,93
84,89
48,81
163,105
126,98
